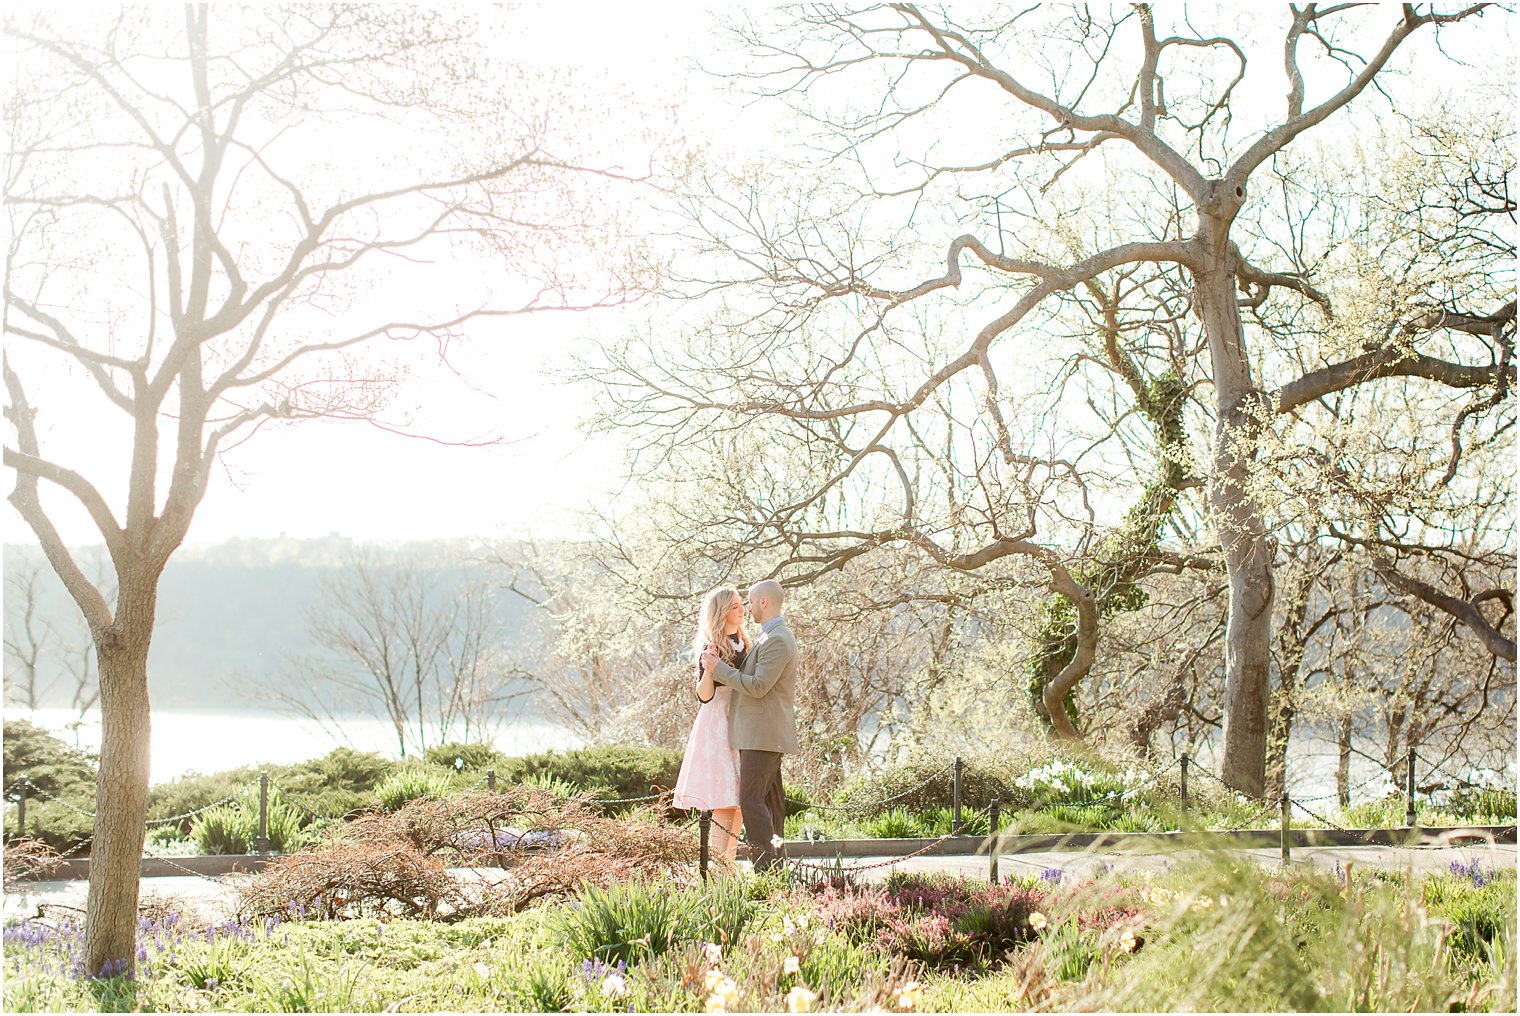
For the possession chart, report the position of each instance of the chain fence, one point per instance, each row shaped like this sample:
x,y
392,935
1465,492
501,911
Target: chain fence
x,y
1262,815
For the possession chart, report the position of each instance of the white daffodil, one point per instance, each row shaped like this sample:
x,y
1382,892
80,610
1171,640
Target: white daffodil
x,y
799,999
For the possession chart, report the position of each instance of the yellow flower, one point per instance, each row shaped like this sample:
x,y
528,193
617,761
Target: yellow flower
x,y
711,980
799,999
727,989
715,1004
1127,941
1203,903
1158,896
1037,921
713,951
906,997
791,965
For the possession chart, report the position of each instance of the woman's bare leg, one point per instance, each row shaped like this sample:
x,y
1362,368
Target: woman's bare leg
x,y
725,831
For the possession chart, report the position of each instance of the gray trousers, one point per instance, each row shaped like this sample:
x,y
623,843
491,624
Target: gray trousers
x,y
762,802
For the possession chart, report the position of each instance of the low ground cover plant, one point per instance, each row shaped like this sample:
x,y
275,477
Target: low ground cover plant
x,y
1224,935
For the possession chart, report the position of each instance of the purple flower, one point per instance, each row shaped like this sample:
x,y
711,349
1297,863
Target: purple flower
x,y
1051,875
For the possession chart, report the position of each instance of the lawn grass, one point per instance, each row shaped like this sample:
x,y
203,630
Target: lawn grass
x,y
1224,935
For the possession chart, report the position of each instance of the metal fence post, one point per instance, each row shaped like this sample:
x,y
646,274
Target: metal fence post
x,y
1409,814
1284,807
992,841
491,780
955,796
263,841
1184,783
21,807
704,823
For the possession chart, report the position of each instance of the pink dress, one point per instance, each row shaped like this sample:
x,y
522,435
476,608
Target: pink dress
x,y
709,777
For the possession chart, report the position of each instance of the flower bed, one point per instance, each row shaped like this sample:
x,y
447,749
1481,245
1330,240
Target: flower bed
x,y
1213,936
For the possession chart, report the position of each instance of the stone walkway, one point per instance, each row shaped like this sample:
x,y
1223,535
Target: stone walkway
x,y
213,898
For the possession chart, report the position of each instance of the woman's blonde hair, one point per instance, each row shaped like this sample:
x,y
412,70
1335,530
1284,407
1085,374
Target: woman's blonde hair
x,y
710,619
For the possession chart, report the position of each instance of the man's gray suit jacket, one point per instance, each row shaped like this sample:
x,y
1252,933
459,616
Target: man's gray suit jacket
x,y
761,714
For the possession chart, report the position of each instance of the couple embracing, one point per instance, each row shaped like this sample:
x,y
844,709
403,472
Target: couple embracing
x,y
746,721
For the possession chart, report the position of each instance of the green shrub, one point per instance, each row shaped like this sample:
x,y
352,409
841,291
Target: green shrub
x,y
630,921
553,784
411,784
798,800
1483,805
56,824
194,791
342,782
921,782
1391,811
897,823
464,757
234,828
1478,903
54,770
616,771
49,764
339,783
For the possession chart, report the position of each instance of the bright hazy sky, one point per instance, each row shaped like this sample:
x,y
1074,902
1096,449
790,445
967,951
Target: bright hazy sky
x,y
359,481
319,477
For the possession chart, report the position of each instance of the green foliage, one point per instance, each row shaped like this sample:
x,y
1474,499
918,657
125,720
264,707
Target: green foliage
x,y
307,988
1391,811
603,772
553,784
233,828
463,757
1069,950
1479,913
1232,936
53,769
630,921
54,823
897,823
413,783
1484,805
1223,936
48,763
223,961
339,783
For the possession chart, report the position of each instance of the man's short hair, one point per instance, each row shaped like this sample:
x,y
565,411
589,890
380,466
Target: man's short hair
x,y
770,589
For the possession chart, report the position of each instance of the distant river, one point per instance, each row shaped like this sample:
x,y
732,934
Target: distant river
x,y
208,742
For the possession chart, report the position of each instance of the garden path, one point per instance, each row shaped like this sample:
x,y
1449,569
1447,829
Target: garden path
x,y
213,897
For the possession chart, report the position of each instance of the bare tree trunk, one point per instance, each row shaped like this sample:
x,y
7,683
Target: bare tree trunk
x,y
1237,516
1343,761
121,796
1277,741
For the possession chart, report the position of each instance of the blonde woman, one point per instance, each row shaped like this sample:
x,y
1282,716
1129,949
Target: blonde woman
x,y
709,777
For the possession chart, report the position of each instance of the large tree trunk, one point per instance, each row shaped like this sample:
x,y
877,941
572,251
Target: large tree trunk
x,y
121,795
1237,516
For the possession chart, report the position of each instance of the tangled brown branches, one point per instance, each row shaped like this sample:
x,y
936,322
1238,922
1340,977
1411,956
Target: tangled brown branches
x,y
506,850
28,860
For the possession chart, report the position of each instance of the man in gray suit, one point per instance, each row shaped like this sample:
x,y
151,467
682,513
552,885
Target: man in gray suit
x,y
762,722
